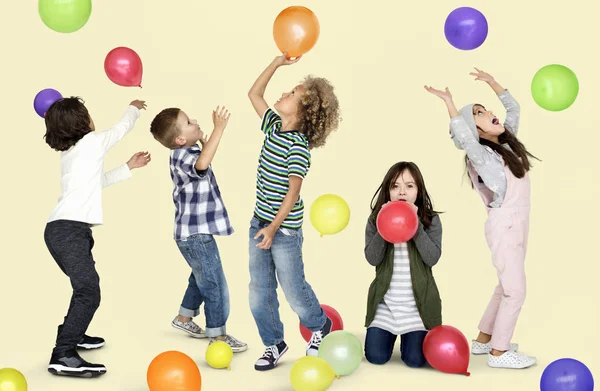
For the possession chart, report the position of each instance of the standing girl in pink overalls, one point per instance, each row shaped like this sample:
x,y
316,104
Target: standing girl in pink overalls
x,y
498,166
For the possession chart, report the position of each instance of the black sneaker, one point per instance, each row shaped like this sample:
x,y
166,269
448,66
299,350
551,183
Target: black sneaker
x,y
271,356
312,349
87,342
71,364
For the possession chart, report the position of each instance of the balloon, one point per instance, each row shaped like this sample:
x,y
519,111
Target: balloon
x,y
554,87
342,351
65,16
296,30
466,28
44,99
447,350
219,355
12,380
567,374
397,222
329,214
311,374
173,371
124,67
336,320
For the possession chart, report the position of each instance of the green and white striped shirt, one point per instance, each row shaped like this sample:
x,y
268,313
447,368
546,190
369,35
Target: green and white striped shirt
x,y
283,154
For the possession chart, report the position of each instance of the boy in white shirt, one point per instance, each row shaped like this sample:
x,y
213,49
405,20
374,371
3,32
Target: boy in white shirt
x,y
68,234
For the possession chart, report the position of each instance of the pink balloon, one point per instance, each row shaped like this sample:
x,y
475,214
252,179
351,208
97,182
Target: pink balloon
x,y
124,67
397,222
447,350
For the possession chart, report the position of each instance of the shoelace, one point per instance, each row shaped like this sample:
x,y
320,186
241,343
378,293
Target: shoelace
x,y
270,352
316,338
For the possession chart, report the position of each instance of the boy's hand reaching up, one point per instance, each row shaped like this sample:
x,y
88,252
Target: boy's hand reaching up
x,y
220,118
138,160
140,104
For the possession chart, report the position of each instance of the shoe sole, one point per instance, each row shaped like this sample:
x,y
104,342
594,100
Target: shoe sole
x,y
198,336
262,369
60,370
90,346
240,349
500,366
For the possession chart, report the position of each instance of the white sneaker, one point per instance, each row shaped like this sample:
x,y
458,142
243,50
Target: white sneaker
x,y
485,348
189,327
511,360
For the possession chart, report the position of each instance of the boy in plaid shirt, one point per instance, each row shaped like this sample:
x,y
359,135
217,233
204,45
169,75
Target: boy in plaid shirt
x,y
199,214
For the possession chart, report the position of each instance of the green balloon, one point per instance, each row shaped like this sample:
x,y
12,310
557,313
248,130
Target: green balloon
x,y
554,87
342,351
65,16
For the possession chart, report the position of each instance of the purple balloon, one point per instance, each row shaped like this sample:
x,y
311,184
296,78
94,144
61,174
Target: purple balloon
x,y
466,28
44,99
567,374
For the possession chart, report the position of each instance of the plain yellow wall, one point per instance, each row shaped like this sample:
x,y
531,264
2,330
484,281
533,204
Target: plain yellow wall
x,y
378,54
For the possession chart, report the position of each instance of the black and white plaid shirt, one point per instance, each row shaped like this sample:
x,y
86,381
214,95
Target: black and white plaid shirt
x,y
199,208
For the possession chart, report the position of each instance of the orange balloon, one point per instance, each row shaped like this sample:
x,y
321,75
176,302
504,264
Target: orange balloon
x,y
173,371
296,30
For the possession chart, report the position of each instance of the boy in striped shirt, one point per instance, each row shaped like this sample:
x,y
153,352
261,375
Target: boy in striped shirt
x,y
303,120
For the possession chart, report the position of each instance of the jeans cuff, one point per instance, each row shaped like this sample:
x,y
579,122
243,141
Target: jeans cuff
x,y
188,313
214,332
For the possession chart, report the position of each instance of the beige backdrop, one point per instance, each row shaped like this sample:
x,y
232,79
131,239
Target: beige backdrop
x,y
378,54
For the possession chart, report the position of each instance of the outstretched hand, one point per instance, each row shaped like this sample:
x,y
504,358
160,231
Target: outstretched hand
x,y
445,94
138,160
285,60
482,76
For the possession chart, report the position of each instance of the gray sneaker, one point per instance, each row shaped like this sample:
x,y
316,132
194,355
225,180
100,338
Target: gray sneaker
x,y
236,346
189,327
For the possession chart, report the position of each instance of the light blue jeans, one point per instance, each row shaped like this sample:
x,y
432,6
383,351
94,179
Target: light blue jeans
x,y
206,284
283,262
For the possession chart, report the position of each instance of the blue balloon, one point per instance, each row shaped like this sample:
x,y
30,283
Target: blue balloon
x,y
466,28
567,374
44,99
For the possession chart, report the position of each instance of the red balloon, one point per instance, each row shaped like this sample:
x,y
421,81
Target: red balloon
x,y
336,320
397,222
447,350
124,67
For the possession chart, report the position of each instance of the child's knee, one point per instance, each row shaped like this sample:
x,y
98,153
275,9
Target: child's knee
x,y
414,359
377,357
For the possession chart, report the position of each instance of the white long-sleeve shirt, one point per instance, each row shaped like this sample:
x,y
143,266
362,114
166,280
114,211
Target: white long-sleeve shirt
x,y
83,176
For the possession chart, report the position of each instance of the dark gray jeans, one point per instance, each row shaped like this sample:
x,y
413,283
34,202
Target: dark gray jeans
x,y
70,243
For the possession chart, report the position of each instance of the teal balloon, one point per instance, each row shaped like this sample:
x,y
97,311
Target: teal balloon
x,y
342,351
554,87
65,16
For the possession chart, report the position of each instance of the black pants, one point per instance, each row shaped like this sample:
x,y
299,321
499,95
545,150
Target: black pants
x,y
70,243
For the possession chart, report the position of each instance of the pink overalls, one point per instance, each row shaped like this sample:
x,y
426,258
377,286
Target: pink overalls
x,y
506,232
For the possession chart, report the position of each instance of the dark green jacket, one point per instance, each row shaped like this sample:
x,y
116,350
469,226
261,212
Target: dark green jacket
x,y
424,251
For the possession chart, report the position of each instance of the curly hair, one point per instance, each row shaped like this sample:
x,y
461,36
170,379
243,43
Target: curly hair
x,y
319,111
67,121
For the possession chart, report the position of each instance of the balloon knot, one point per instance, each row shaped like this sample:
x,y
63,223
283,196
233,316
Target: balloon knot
x,y
140,86
468,373
321,235
338,376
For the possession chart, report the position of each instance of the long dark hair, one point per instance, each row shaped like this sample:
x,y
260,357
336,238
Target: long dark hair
x,y
517,158
423,202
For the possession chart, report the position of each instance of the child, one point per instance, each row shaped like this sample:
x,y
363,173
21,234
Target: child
x,y
403,298
199,215
68,234
306,116
498,166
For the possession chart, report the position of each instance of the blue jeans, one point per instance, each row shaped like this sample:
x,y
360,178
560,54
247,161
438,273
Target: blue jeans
x,y
379,346
206,284
284,260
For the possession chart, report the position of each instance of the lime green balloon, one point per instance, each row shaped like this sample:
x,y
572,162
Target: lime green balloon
x,y
311,373
342,351
65,16
329,214
554,87
12,380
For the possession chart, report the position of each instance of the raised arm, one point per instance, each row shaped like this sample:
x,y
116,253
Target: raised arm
x,y
429,241
209,149
512,107
108,138
257,91
375,245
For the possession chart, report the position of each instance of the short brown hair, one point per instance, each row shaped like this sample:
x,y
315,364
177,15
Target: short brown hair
x,y
319,112
67,121
164,127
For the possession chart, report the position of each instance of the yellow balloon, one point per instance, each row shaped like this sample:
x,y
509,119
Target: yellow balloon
x,y
12,380
311,374
219,355
329,214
